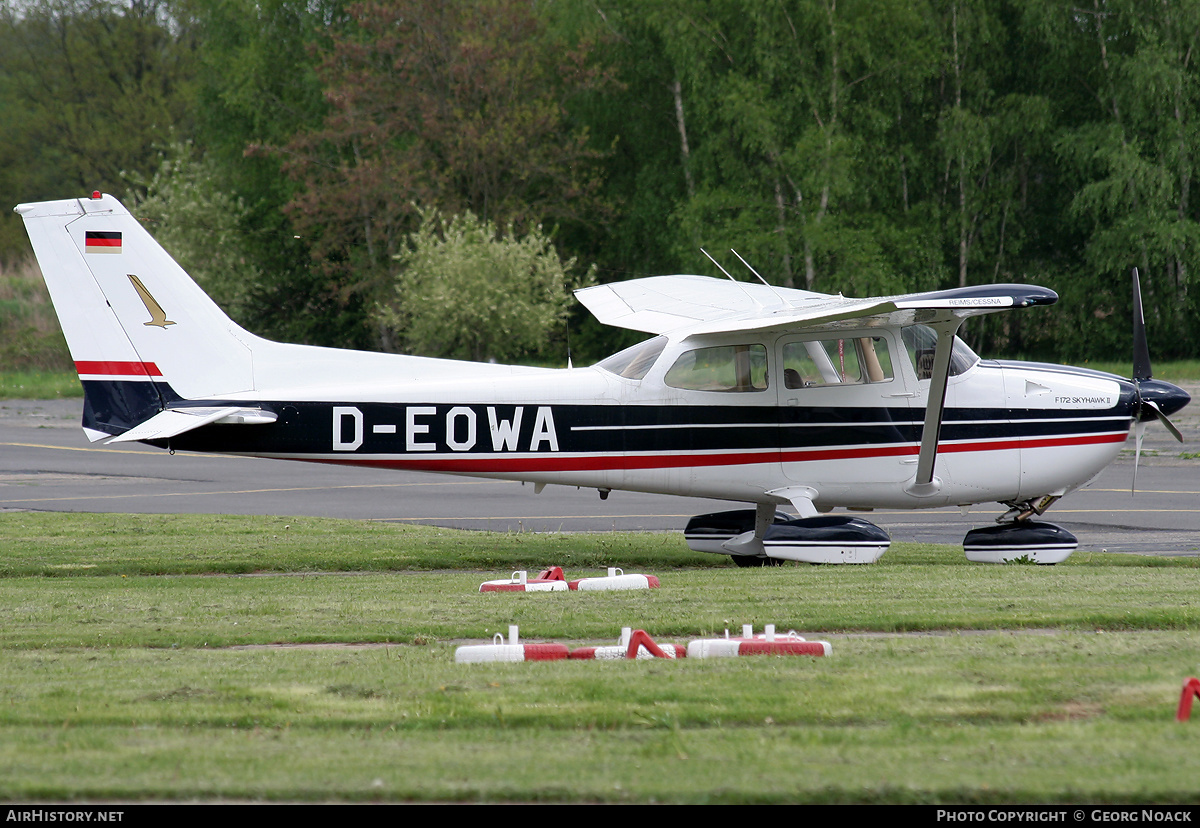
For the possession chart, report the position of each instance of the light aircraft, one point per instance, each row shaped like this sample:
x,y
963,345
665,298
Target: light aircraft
x,y
749,393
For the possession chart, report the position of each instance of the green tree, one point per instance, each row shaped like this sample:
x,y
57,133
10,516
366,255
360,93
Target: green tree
x,y
991,158
257,86
450,106
989,134
100,81
465,290
782,114
1135,154
190,214
88,89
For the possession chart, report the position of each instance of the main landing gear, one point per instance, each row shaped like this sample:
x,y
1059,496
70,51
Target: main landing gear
x,y
764,537
832,539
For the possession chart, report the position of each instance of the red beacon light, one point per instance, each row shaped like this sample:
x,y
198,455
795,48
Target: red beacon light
x,y
95,194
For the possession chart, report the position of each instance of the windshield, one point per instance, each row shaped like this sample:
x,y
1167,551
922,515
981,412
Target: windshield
x,y
634,363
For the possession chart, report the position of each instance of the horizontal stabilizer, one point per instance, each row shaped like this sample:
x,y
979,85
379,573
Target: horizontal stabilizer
x,y
173,422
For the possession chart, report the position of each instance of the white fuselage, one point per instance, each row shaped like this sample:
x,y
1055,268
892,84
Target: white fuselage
x,y
1010,432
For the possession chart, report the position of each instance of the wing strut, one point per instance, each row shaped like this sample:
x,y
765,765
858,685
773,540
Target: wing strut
x,y
925,483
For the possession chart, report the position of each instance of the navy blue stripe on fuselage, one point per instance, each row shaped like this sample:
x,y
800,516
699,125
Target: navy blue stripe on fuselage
x,y
483,429
348,430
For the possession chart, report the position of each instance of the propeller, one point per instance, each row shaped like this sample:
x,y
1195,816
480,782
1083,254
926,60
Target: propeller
x,y
1155,398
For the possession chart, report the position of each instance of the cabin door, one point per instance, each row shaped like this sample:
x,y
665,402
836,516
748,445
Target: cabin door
x,y
845,414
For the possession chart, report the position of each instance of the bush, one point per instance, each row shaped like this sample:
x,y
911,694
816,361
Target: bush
x,y
30,336
464,290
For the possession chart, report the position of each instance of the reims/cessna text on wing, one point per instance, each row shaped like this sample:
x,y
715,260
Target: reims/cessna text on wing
x,y
748,393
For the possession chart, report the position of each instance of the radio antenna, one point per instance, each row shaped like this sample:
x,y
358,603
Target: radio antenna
x,y
568,329
735,281
749,266
779,295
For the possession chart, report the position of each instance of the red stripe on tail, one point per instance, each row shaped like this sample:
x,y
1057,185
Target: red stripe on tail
x,y
124,369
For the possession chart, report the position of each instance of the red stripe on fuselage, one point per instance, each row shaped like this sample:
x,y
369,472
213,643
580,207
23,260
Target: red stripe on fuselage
x,y
1037,442
119,369
551,463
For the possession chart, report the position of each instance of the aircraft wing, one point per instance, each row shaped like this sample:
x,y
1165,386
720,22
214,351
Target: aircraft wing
x,y
659,304
704,305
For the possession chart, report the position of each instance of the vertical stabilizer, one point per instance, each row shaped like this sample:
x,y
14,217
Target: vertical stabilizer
x,y
140,331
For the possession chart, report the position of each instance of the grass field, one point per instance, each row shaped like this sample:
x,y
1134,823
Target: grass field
x,y
205,658
39,385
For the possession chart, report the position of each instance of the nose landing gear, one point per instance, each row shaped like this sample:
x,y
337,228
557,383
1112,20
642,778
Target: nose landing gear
x,y
1016,538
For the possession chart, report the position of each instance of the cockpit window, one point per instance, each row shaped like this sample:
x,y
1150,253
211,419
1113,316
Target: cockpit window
x,y
635,362
921,342
723,368
841,361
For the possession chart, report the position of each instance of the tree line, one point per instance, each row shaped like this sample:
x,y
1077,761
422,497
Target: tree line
x,y
434,176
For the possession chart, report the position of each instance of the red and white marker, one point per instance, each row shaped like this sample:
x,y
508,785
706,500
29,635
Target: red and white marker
x,y
766,644
548,580
634,644
498,650
1191,688
616,579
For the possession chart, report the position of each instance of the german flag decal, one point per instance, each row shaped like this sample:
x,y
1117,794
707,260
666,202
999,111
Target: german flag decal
x,y
99,241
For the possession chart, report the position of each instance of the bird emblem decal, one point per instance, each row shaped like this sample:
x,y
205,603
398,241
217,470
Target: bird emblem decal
x,y
158,317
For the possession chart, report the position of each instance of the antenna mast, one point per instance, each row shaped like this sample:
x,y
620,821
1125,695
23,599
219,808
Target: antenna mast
x,y
757,303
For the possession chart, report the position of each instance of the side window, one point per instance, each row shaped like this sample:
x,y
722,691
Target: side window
x,y
836,362
724,368
921,343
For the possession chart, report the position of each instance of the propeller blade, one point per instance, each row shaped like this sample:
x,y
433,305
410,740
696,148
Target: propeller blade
x,y
1141,349
1173,396
1139,431
1162,418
